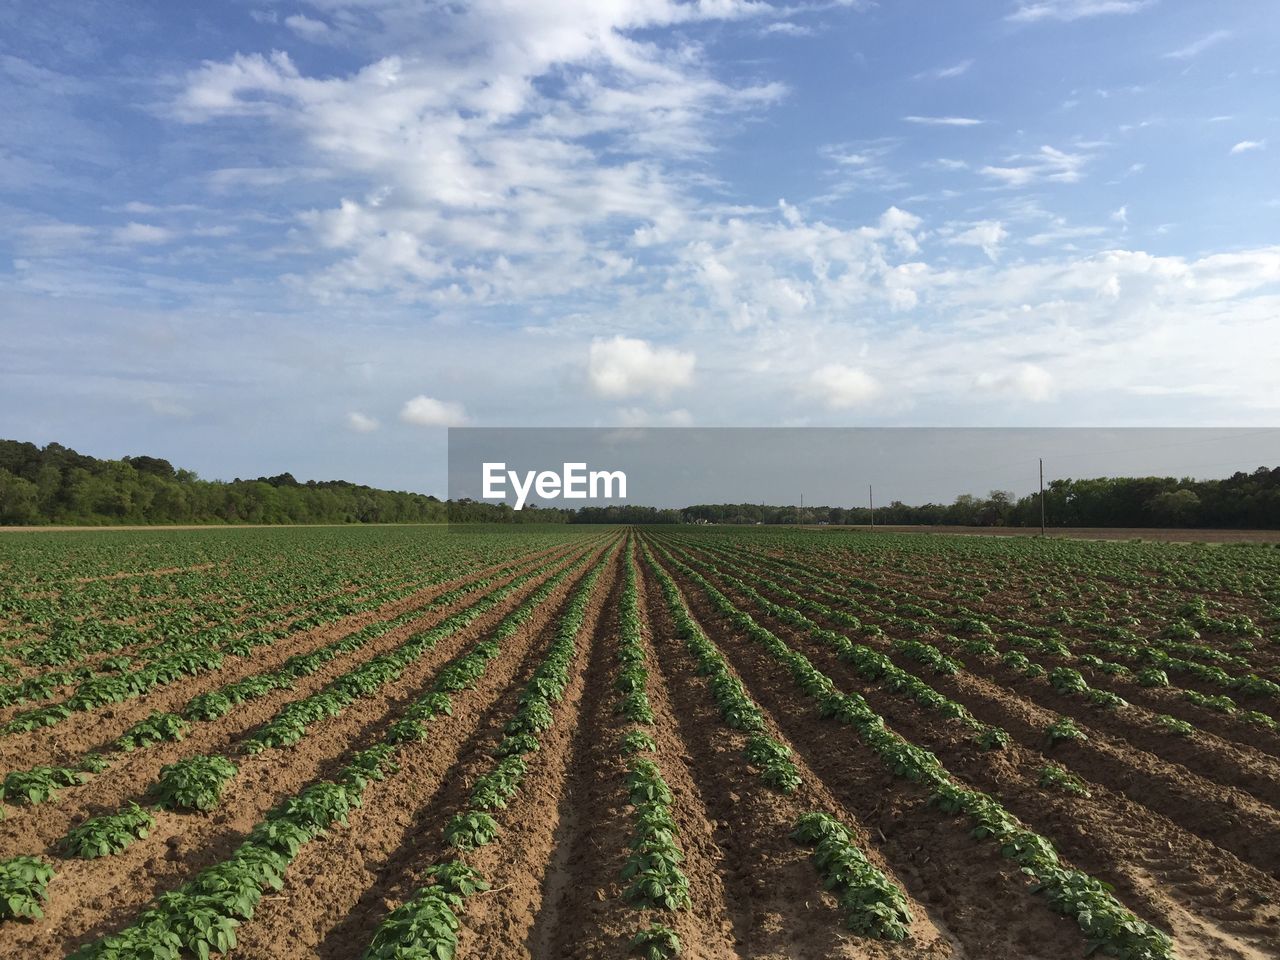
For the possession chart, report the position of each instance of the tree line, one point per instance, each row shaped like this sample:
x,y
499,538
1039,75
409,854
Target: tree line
x,y
1241,501
56,485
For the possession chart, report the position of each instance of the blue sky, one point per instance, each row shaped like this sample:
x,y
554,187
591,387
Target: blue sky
x,y
256,236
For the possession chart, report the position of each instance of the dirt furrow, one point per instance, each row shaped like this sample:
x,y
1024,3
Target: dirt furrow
x,y
71,739
981,898
583,914
30,829
341,887
778,907
93,897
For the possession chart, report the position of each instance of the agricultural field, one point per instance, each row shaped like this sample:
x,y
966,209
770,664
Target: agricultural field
x,y
583,742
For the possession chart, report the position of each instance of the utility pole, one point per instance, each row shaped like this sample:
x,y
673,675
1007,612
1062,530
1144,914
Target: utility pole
x,y
871,504
1042,496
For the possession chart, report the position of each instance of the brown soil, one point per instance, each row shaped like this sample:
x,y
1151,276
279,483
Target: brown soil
x,y
1187,831
980,898
69,740
766,873
1216,905
341,888
90,898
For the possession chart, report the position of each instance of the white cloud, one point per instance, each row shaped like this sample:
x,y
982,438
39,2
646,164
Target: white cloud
x,y
788,29
483,187
1121,215
1244,146
842,387
945,73
944,121
639,417
51,236
1199,46
424,411
1026,381
1049,163
626,367
142,233
317,31
1060,230
986,234
1068,10
360,423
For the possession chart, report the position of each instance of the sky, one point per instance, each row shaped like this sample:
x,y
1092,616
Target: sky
x,y
310,236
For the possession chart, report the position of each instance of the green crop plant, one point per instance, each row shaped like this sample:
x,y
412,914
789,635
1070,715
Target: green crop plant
x,y
156,728
1175,726
108,834
469,830
39,784
195,783
636,741
655,942
23,881
1052,775
872,905
1063,731
495,788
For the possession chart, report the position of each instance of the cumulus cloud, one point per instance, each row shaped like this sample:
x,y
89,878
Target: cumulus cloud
x,y
317,31
627,367
142,233
360,423
1244,146
986,234
842,387
424,411
480,186
1026,381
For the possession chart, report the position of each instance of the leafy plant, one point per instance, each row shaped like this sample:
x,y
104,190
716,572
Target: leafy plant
x,y
39,784
1175,726
655,942
194,783
1067,680
992,738
1052,775
108,834
635,741
425,927
156,728
495,788
872,905
22,887
469,830
1063,730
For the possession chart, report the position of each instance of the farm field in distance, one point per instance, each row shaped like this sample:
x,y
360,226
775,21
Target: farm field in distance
x,y
580,741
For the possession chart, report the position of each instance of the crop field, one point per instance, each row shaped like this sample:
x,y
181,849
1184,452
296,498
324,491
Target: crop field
x,y
585,742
